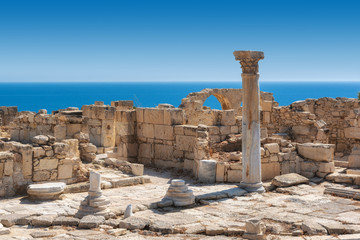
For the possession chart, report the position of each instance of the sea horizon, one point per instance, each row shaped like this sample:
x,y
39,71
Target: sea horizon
x,y
32,96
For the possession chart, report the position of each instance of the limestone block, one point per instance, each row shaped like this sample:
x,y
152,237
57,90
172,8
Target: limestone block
x,y
214,130
266,106
327,167
164,152
308,166
190,130
65,171
126,116
127,128
225,130
179,130
128,149
72,129
60,148
207,171
8,167
146,130
266,117
60,132
234,175
270,170
317,151
73,147
185,143
48,164
173,116
1,169
228,118
145,150
164,132
168,164
354,161
154,115
352,132
139,115
38,152
220,171
288,180
272,147
137,169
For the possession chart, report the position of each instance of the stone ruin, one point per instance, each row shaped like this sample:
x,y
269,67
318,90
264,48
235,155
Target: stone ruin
x,y
250,140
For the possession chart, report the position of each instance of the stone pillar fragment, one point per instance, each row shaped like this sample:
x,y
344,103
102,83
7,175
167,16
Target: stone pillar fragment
x,y
251,175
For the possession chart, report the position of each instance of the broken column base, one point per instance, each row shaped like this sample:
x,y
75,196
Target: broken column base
x,y
94,204
253,187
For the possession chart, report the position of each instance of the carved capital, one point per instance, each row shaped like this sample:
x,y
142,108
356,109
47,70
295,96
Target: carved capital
x,y
249,60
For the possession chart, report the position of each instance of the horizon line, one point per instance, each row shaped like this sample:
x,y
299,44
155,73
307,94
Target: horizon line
x,y
187,81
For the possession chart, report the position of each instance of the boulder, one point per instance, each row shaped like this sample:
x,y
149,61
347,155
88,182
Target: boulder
x,y
91,221
289,179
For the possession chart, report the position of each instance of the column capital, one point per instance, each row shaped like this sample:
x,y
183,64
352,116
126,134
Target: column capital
x,y
249,60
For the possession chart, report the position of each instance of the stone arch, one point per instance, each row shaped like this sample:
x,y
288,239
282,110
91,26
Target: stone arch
x,y
224,101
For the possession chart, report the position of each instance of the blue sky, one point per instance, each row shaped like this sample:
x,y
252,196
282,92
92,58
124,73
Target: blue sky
x,y
177,40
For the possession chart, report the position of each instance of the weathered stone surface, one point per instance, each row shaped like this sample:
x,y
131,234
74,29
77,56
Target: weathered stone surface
x,y
43,234
38,152
133,223
272,147
317,151
11,219
213,230
117,232
289,179
313,228
66,221
44,191
43,220
91,221
207,171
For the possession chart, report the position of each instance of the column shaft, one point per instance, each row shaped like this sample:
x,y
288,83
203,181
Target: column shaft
x,y
251,173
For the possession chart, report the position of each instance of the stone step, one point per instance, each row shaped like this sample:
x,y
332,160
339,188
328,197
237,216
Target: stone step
x,y
354,194
343,178
339,163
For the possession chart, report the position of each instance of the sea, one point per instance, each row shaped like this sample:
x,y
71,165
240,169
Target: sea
x,y
54,96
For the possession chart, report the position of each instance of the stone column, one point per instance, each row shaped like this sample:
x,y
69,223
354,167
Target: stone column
x,y
251,161
95,182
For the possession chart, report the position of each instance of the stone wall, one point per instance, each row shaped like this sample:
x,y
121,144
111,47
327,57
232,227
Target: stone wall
x,y
46,160
62,125
7,114
279,156
335,121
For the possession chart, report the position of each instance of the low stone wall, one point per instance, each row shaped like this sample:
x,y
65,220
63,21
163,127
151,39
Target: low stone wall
x,y
279,156
22,164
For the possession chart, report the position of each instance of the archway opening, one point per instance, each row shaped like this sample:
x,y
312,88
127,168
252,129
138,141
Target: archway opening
x,y
212,103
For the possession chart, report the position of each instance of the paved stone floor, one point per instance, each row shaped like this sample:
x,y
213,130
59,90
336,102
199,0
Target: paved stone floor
x,y
283,211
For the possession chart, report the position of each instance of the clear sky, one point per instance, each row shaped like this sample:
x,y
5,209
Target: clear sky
x,y
177,40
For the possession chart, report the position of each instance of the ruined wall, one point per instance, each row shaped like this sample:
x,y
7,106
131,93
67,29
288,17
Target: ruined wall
x,y
279,156
62,125
335,121
23,164
7,114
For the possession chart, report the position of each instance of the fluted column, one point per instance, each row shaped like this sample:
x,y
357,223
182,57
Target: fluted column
x,y
251,158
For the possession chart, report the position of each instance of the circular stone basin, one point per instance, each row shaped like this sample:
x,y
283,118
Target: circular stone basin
x,y
46,191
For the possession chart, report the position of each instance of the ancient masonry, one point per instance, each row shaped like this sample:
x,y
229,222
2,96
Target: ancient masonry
x,y
250,140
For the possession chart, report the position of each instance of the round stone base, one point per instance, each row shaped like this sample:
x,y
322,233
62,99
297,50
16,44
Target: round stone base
x,y
253,187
